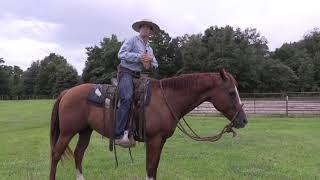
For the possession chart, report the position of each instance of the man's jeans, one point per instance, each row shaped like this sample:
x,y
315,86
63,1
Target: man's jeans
x,y
126,97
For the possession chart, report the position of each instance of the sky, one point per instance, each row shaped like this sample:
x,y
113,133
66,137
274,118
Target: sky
x,y
31,29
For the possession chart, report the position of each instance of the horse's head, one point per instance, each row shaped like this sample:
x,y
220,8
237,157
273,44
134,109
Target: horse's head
x,y
225,98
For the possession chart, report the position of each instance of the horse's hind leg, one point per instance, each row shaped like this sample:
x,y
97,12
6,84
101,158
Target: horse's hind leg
x,y
84,139
57,152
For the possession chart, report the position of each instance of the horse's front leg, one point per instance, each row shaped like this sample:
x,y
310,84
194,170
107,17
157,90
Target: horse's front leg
x,y
154,147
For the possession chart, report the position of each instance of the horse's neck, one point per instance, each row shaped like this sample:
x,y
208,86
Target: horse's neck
x,y
189,103
182,101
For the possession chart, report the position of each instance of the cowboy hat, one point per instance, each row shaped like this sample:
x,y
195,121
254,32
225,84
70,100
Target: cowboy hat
x,y
154,27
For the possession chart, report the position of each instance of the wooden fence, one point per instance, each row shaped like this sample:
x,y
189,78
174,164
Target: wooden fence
x,y
284,105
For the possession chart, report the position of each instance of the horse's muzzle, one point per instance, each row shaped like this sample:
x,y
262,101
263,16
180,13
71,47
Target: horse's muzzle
x,y
240,122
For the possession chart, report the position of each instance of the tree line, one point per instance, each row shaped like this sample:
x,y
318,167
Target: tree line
x,y
47,77
295,66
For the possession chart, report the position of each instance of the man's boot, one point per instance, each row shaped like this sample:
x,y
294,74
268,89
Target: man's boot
x,y
124,141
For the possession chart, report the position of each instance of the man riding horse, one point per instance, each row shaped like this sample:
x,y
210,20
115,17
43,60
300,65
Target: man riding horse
x,y
171,99
135,54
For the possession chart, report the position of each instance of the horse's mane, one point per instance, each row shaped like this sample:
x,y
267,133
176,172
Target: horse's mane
x,y
187,82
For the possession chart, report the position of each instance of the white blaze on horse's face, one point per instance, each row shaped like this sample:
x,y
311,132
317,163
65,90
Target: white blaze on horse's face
x,y
237,95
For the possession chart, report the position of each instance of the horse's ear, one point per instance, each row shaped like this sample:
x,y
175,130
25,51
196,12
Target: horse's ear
x,y
223,74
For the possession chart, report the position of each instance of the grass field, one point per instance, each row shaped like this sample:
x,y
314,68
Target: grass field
x,y
268,148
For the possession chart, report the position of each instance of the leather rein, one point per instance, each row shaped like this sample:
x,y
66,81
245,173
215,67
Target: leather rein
x,y
193,135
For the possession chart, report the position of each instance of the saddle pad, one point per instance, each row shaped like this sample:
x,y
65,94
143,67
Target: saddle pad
x,y
101,94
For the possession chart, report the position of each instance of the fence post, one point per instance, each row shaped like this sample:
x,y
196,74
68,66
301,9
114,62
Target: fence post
x,y
287,108
254,104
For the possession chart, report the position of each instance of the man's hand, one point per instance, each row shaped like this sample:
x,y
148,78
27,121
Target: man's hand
x,y
146,57
146,60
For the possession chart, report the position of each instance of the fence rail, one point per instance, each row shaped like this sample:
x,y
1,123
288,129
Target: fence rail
x,y
31,97
285,104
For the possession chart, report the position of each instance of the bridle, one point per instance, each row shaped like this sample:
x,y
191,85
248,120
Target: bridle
x,y
193,135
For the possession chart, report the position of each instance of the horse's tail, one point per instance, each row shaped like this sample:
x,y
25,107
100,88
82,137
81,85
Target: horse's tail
x,y
54,126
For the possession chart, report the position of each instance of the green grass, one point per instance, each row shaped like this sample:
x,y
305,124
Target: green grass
x,y
268,148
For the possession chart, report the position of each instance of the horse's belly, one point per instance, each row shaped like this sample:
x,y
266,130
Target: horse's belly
x,y
99,120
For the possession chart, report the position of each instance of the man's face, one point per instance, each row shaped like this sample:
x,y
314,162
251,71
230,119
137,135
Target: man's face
x,y
145,30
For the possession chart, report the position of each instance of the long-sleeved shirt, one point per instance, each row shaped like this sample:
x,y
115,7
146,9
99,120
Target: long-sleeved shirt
x,y
131,51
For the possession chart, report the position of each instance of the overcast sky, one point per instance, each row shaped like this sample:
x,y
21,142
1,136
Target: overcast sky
x,y
31,29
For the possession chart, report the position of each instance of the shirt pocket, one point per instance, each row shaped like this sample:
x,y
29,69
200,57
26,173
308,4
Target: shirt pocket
x,y
137,48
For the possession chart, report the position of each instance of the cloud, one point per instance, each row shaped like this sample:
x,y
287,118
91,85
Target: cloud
x,y
25,40
15,28
23,51
31,29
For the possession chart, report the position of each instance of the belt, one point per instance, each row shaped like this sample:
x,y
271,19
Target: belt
x,y
134,73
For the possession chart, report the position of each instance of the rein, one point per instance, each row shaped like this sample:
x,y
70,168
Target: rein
x,y
193,135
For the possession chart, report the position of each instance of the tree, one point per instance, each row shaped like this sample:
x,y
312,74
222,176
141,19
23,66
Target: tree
x,y
194,54
167,53
5,72
49,76
306,73
47,73
276,77
101,64
30,79
16,87
66,77
239,52
303,57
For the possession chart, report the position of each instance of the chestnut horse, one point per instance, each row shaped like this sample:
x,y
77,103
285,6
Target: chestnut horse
x,y
72,114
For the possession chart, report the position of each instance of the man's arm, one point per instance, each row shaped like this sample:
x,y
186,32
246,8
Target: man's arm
x,y
125,54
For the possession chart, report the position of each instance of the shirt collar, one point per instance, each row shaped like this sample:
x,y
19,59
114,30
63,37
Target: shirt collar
x,y
147,44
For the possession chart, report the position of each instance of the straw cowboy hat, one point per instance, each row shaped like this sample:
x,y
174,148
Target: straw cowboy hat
x,y
154,27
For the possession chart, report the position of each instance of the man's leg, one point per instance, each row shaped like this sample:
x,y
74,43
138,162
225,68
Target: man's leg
x,y
126,95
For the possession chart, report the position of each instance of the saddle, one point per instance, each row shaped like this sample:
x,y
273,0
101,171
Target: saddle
x,y
106,96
